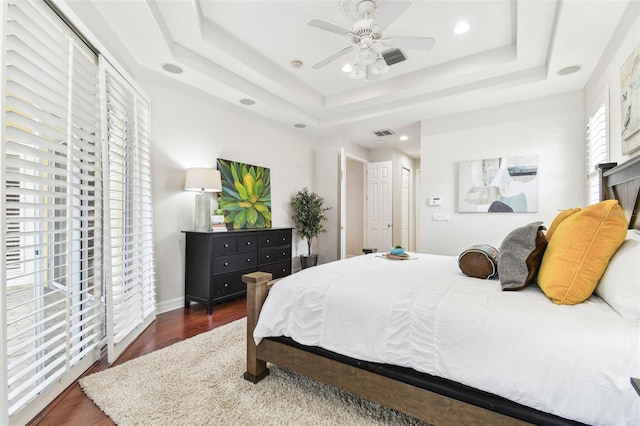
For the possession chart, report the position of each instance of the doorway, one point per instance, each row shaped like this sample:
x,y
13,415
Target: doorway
x,y
352,205
355,207
406,208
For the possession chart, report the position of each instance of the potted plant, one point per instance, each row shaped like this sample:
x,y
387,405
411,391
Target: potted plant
x,y
218,216
308,214
397,250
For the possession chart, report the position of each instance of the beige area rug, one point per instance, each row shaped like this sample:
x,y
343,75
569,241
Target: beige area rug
x,y
199,382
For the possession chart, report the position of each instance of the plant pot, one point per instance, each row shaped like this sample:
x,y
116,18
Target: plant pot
x,y
397,251
308,260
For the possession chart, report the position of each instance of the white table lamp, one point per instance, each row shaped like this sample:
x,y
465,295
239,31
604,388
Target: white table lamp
x,y
203,181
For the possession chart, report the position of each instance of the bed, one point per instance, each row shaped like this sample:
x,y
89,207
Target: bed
x,y
451,349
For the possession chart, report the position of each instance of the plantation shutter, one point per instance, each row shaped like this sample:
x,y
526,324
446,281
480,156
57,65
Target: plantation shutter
x,y
52,322
129,253
596,152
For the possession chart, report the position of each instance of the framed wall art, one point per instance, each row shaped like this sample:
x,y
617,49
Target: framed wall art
x,y
245,199
503,184
630,102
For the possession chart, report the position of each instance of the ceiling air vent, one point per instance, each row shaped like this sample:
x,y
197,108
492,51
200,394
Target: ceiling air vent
x,y
383,132
393,56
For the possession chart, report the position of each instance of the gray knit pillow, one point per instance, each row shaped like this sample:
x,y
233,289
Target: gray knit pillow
x,y
520,255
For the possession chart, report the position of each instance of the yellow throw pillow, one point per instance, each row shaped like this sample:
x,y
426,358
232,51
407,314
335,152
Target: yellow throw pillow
x,y
579,252
558,220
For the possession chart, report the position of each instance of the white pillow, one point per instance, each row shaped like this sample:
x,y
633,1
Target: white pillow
x,y
620,284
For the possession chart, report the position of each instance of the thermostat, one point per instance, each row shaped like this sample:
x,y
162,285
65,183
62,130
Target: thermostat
x,y
435,201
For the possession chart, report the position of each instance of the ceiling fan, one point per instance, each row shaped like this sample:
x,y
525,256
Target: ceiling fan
x,y
366,35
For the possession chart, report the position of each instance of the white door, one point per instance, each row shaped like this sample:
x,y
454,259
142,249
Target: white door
x,y
379,206
406,200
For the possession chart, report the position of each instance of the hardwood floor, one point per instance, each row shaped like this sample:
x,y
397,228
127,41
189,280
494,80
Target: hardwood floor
x,y
73,408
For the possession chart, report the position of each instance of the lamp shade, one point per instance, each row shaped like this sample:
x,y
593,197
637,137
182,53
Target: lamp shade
x,y
202,180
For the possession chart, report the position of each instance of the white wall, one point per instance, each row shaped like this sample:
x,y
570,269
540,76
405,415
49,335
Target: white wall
x,y
191,129
551,127
606,78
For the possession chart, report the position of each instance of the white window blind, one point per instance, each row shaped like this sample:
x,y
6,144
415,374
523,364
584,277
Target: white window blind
x,y
129,252
596,152
52,274
76,209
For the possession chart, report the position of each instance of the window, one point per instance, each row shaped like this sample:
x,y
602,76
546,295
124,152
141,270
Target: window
x,y
596,152
76,211
130,286
52,216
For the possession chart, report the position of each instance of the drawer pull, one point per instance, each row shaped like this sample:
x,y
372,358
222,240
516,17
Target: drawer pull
x,y
268,240
226,284
284,238
248,260
226,263
284,253
268,257
248,243
226,245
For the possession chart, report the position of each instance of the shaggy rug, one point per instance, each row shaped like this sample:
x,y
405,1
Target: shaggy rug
x,y
199,382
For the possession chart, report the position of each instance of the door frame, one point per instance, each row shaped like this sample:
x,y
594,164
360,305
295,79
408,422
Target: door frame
x,y
343,197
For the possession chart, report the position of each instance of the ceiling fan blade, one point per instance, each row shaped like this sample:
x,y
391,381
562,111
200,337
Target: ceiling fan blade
x,y
328,26
391,12
408,42
331,57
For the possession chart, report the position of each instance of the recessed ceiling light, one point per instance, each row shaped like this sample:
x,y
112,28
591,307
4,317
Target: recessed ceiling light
x,y
296,63
246,101
404,138
300,125
347,68
173,69
461,27
570,70
378,142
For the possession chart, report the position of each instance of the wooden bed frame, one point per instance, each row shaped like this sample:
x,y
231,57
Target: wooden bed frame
x,y
433,406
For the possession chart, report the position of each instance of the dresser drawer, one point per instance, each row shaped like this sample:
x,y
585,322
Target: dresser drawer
x,y
234,262
228,245
277,270
228,284
225,245
274,255
275,239
247,243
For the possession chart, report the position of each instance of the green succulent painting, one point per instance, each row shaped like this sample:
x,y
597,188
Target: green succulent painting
x,y
246,195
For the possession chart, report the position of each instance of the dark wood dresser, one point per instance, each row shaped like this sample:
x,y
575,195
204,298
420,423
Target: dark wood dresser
x,y
216,261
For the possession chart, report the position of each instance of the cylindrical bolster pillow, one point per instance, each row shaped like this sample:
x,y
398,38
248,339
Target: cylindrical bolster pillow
x,y
479,261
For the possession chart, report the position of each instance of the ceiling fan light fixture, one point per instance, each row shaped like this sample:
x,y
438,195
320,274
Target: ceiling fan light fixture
x,y
347,68
358,72
380,67
367,56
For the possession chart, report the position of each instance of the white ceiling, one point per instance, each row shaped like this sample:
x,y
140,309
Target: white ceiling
x,y
242,49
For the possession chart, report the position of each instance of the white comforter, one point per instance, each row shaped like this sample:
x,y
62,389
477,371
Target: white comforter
x,y
572,361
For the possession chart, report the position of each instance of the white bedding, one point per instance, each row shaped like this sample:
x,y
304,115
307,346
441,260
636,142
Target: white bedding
x,y
572,361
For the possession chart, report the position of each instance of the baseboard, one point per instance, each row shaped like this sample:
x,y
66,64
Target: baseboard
x,y
169,305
